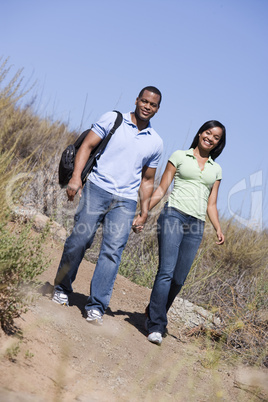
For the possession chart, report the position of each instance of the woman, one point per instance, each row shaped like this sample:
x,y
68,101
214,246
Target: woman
x,y
181,223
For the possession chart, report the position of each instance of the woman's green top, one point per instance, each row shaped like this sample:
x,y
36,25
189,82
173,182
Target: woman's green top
x,y
192,186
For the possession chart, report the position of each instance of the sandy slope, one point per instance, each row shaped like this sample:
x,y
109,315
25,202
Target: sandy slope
x,y
62,357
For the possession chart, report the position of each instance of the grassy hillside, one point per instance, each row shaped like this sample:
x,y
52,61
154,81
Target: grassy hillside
x,y
230,280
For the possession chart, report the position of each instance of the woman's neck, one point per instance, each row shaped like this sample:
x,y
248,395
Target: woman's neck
x,y
201,153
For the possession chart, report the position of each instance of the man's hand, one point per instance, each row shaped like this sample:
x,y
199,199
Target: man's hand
x,y
74,187
145,191
138,224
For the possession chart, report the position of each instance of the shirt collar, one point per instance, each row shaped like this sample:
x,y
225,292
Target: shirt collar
x,y
190,152
127,119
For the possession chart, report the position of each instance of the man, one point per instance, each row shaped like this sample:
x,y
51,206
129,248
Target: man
x,y
109,197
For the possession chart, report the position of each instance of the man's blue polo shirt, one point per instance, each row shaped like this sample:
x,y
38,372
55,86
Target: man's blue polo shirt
x,y
119,168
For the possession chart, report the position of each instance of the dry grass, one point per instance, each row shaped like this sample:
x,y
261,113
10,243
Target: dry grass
x,y
230,280
21,258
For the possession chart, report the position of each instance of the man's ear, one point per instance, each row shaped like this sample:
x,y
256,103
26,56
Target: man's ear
x,y
136,101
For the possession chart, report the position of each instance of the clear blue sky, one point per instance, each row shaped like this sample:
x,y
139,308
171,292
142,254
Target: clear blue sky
x,y
209,58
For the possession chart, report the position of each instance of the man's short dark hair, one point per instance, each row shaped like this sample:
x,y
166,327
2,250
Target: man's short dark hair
x,y
151,89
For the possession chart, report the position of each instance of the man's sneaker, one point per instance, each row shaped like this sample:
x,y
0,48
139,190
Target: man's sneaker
x,y
60,298
155,337
94,316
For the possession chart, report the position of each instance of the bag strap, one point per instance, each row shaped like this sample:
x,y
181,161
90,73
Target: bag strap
x,y
82,136
117,122
99,148
97,151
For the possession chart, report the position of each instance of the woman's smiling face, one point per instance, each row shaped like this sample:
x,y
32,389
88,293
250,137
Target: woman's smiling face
x,y
210,138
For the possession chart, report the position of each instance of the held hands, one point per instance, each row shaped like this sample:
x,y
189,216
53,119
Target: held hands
x,y
74,187
138,224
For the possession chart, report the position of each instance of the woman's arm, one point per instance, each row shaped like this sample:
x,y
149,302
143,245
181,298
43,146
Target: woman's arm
x,y
157,196
213,212
165,182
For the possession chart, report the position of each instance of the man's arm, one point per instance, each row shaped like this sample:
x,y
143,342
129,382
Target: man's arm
x,y
75,183
145,191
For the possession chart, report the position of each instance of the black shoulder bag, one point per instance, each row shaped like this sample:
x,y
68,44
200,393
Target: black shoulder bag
x,y
66,165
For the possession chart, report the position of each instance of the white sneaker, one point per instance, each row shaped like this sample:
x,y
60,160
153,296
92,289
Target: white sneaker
x,y
155,337
60,298
94,316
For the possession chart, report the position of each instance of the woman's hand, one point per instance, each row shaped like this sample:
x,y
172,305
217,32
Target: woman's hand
x,y
220,236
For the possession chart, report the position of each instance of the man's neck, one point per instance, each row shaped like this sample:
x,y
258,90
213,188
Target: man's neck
x,y
141,124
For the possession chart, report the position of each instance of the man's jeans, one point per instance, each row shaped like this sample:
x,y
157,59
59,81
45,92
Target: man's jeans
x,y
116,214
179,236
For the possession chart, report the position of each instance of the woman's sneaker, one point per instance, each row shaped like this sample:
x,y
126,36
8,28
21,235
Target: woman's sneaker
x,y
94,316
155,337
60,298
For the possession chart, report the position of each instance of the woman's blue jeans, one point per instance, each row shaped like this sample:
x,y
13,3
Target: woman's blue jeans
x,y
116,214
179,237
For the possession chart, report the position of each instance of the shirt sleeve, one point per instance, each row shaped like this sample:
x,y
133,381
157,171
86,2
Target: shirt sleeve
x,y
219,173
153,161
175,158
105,123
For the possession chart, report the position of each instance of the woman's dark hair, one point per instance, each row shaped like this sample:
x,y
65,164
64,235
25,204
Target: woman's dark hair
x,y
221,144
151,89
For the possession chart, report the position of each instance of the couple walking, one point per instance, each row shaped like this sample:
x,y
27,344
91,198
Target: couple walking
x,y
125,169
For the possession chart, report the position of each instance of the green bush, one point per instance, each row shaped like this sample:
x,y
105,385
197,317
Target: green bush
x,y
21,261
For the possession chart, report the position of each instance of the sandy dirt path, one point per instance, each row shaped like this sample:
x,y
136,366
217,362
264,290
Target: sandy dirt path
x,y
62,357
